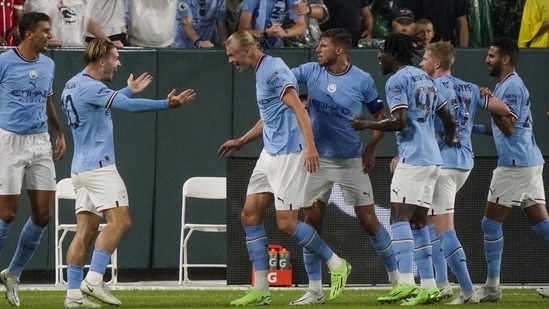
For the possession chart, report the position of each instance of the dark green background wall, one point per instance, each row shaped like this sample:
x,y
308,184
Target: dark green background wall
x,y
157,151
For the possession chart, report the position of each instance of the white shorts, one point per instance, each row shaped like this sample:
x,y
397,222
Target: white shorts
x,y
517,186
449,181
99,189
414,184
347,173
282,175
25,163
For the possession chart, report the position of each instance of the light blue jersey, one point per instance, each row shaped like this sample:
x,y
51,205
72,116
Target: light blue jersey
x,y
87,105
265,13
281,133
463,99
413,89
333,99
519,149
25,86
205,15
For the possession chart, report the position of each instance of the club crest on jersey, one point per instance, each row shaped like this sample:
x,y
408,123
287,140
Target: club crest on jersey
x,y
33,74
122,195
331,88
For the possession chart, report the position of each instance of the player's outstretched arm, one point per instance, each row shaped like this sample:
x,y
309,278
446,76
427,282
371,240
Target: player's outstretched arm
x,y
233,145
397,122
180,99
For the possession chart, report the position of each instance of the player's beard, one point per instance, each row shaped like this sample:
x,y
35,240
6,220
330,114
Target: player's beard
x,y
495,69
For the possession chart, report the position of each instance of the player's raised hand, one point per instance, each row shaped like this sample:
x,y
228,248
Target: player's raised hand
x,y
180,99
139,84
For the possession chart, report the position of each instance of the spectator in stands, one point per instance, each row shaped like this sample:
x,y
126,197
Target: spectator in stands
x,y
151,22
69,21
315,13
349,14
10,13
264,19
449,18
109,15
200,23
534,27
403,21
424,31
233,14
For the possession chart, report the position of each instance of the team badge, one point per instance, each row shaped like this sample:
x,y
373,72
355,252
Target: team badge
x,y
122,195
331,88
33,74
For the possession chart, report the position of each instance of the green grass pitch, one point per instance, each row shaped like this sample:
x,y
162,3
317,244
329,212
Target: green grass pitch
x,y
512,298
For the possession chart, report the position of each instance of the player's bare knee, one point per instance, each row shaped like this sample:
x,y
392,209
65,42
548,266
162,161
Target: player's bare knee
x,y
42,218
286,226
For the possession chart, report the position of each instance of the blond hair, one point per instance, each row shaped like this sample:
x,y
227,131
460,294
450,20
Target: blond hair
x,y
444,52
243,38
97,49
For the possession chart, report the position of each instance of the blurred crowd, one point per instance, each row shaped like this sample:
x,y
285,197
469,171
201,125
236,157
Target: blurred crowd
x,y
280,23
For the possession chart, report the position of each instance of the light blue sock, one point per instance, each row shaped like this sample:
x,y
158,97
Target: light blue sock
x,y
310,240
29,239
383,245
542,229
75,275
493,245
403,245
451,247
100,260
4,230
439,262
313,265
422,253
256,242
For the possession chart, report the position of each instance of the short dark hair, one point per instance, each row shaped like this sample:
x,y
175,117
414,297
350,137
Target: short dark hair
x,y
339,37
507,47
401,46
29,22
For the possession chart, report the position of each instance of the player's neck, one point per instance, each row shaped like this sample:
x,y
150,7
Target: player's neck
x,y
340,66
28,51
439,73
94,71
506,71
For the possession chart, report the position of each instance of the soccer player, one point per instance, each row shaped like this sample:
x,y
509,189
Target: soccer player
x,y
464,98
100,191
517,180
413,101
289,153
26,113
338,90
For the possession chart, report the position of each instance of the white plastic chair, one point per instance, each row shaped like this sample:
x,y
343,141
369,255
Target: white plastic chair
x,y
65,190
202,188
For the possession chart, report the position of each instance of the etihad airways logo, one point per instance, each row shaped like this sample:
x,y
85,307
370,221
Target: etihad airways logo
x,y
30,93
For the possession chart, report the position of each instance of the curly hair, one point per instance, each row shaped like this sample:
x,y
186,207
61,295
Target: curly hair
x,y
402,47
